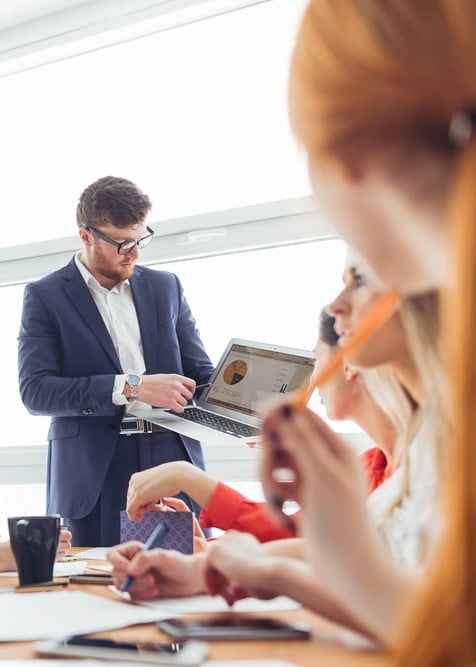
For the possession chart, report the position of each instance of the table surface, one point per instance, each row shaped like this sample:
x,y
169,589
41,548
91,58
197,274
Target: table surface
x,y
323,649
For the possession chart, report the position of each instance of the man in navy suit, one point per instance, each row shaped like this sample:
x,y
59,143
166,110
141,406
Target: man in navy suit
x,y
98,338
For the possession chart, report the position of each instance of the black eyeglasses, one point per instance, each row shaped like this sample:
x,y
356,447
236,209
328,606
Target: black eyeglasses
x,y
126,246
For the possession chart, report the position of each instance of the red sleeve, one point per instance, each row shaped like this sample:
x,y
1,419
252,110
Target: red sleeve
x,y
228,509
374,464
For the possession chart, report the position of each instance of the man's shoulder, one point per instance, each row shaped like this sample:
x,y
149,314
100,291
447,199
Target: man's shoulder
x,y
55,277
156,275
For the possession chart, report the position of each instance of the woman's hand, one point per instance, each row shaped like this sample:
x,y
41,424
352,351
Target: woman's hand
x,y
147,487
323,475
235,568
158,573
64,544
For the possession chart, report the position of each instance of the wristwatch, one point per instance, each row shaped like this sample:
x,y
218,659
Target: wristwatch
x,y
134,382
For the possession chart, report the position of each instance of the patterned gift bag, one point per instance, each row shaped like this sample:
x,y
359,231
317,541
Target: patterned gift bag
x,y
179,537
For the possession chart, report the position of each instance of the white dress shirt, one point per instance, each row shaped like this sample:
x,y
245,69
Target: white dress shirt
x,y
118,312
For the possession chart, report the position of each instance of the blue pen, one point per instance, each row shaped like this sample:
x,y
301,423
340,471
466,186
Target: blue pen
x,y
154,540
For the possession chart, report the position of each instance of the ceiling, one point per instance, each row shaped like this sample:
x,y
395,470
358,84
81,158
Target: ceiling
x,y
21,11
38,32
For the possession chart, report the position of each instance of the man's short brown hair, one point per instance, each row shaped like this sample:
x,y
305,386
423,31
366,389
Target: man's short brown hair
x,y
112,200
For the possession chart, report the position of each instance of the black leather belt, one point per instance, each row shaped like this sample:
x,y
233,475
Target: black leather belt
x,y
134,426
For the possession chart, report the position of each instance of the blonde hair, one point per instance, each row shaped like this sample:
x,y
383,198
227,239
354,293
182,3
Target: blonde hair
x,y
421,321
420,317
387,392
387,76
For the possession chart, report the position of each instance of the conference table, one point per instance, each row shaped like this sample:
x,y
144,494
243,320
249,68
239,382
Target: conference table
x,y
326,647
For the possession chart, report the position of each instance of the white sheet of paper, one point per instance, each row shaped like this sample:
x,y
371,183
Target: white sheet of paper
x,y
97,553
112,663
60,569
29,616
209,604
68,569
100,568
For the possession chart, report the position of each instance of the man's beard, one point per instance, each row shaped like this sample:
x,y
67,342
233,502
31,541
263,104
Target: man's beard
x,y
117,273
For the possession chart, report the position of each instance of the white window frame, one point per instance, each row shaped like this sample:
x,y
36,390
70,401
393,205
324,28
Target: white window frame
x,y
268,225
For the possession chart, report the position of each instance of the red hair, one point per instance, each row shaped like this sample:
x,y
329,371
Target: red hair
x,y
388,75
370,74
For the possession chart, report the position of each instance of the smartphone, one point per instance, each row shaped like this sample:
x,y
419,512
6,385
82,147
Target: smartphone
x,y
186,654
233,626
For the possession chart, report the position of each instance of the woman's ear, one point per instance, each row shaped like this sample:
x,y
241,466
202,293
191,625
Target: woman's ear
x,y
351,374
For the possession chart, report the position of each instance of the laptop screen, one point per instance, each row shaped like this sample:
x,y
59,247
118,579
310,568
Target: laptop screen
x,y
248,375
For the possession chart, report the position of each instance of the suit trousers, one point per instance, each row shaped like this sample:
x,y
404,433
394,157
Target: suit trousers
x,y
101,527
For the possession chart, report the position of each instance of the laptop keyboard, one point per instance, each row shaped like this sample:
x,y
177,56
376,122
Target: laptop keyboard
x,y
217,422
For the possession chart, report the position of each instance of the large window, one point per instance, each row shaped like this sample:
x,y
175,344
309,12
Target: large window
x,y
195,115
272,295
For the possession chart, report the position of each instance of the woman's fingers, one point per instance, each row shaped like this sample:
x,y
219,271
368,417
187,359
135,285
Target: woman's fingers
x,y
300,452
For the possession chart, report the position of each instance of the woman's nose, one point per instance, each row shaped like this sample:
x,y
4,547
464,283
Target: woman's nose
x,y
338,306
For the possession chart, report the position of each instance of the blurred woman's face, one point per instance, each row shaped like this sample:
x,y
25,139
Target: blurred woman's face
x,y
361,290
405,248
337,395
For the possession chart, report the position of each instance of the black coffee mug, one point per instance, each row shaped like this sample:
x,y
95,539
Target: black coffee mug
x,y
34,541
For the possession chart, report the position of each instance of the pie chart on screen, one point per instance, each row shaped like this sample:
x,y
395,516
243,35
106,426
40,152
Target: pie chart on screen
x,y
235,372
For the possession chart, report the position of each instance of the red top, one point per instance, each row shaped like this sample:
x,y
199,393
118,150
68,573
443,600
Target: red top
x,y
230,510
375,466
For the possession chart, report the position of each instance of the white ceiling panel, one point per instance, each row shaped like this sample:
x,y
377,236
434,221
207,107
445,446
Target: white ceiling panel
x,y
16,12
36,32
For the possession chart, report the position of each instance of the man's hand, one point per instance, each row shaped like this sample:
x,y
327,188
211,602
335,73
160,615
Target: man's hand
x,y
166,390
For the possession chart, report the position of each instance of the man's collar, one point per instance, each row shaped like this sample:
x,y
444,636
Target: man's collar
x,y
90,280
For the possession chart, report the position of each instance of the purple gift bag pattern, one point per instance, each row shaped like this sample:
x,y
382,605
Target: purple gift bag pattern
x,y
179,537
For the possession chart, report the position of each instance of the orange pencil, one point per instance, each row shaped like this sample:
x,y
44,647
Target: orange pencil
x,y
378,314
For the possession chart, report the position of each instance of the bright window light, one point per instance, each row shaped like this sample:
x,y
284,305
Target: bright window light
x,y
196,115
272,295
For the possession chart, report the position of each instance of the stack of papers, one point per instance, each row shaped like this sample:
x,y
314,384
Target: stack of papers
x,y
31,616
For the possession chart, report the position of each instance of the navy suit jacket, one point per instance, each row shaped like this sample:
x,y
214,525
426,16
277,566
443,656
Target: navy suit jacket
x,y
67,366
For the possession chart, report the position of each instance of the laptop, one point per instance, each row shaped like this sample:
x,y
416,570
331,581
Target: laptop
x,y
248,375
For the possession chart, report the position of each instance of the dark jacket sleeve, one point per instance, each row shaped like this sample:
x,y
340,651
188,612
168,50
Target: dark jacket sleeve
x,y
55,364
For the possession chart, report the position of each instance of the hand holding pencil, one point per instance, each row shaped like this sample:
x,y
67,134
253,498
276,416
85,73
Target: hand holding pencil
x,y
155,539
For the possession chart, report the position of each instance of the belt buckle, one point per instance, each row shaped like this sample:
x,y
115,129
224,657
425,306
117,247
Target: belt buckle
x,y
137,426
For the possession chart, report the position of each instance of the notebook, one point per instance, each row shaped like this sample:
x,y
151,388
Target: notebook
x,y
248,376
